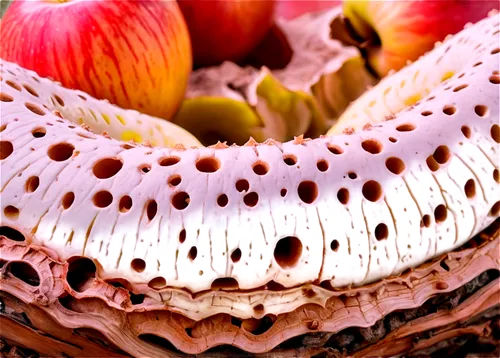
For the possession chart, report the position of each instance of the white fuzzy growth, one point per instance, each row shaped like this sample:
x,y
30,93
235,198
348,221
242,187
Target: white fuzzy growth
x,y
360,254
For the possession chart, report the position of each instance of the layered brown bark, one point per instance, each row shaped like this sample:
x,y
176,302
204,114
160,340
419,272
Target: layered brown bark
x,y
63,308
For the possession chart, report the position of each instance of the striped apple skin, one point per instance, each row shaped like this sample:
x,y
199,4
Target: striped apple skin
x,y
136,54
408,29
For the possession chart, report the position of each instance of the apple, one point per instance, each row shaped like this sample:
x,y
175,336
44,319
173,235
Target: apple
x,y
226,30
136,54
395,32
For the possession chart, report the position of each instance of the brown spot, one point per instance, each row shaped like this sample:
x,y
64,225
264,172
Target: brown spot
x,y
426,113
459,88
224,283
4,97
442,154
495,133
470,188
193,252
431,163
466,132
182,236
39,132
426,221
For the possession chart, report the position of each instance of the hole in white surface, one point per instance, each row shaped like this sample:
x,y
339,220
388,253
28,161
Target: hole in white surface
x,y
288,251
6,149
372,191
60,152
107,168
180,200
208,164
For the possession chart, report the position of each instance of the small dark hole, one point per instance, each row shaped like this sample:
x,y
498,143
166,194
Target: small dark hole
x,y
242,185
236,255
222,200
151,209
168,161
334,245
193,252
180,200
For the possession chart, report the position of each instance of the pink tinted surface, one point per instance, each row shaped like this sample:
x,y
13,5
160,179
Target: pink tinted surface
x,y
290,9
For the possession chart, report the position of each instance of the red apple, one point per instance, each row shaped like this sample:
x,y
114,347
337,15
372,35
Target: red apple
x,y
136,54
398,31
226,30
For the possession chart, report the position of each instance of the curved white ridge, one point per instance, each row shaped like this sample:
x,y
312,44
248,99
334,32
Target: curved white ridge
x,y
425,210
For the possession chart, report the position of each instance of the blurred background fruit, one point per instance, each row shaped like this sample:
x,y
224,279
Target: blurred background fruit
x,y
136,54
290,9
393,32
226,30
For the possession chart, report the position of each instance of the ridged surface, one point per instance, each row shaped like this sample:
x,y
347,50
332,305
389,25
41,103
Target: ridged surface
x,y
349,209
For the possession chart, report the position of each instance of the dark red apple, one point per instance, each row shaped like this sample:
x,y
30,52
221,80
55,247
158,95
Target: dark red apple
x,y
226,30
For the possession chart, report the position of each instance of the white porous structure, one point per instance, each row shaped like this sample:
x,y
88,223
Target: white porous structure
x,y
242,230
